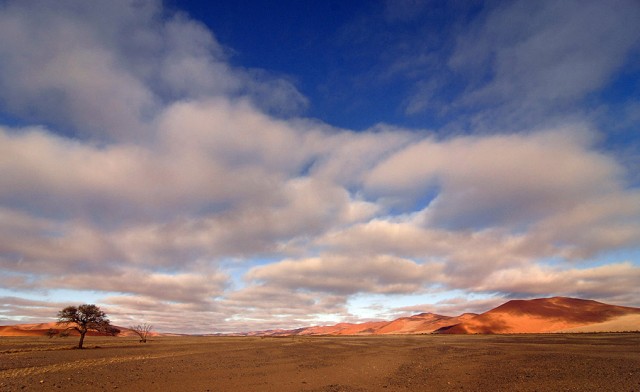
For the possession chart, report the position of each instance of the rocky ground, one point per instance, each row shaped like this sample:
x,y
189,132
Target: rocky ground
x,y
576,362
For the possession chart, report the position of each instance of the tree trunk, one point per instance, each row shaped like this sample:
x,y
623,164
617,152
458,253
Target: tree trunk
x,y
81,339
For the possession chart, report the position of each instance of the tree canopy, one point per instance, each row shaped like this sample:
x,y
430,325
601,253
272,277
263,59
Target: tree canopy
x,y
83,318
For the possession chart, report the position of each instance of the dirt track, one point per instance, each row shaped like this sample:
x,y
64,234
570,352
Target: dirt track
x,y
581,362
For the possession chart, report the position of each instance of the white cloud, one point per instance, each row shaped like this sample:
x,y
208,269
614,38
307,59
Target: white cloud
x,y
496,180
59,68
533,58
192,287
106,70
347,275
455,306
605,281
179,185
14,310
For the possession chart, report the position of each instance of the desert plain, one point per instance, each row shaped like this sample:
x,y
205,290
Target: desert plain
x,y
527,362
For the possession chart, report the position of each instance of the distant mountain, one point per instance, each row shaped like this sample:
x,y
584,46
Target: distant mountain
x,y
542,315
27,329
418,324
42,329
557,314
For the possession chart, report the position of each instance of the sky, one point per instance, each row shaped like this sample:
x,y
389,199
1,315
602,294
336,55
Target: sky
x,y
230,166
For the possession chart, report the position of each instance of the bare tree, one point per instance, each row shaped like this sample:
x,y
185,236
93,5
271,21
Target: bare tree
x,y
84,318
142,330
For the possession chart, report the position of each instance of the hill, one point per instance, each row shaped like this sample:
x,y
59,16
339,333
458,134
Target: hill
x,y
543,315
418,324
43,329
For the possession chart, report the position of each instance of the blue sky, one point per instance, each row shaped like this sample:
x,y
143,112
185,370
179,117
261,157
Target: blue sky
x,y
261,165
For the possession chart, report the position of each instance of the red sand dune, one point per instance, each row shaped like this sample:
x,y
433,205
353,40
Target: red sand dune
x,y
543,315
421,323
418,324
342,329
557,314
42,329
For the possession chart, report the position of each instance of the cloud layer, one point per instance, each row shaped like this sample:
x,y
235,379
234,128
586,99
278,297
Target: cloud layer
x,y
144,168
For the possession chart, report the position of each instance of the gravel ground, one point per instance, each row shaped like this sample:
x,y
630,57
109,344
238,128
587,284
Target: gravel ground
x,y
576,362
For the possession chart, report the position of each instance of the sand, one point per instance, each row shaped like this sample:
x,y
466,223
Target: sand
x,y
626,323
566,362
544,315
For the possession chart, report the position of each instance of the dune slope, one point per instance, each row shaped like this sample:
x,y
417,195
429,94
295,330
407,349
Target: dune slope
x,y
544,315
541,315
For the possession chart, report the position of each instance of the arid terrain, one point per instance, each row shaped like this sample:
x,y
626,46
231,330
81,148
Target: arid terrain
x,y
502,349
547,362
539,315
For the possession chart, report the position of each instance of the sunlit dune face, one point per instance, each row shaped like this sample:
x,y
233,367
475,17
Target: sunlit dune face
x,y
548,315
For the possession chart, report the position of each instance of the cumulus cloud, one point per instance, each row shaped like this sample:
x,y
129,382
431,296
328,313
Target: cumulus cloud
x,y
496,180
607,281
184,287
12,308
347,275
466,252
168,181
455,306
529,57
106,70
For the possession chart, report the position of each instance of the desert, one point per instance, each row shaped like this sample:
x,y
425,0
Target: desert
x,y
538,315
527,362
544,344
359,195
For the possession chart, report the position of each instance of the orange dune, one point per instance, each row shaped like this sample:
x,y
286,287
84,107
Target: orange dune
x,y
14,331
421,323
41,329
342,329
418,324
628,323
541,316
40,326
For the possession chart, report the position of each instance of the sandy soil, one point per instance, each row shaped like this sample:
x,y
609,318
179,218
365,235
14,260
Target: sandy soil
x,y
626,323
543,315
571,362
